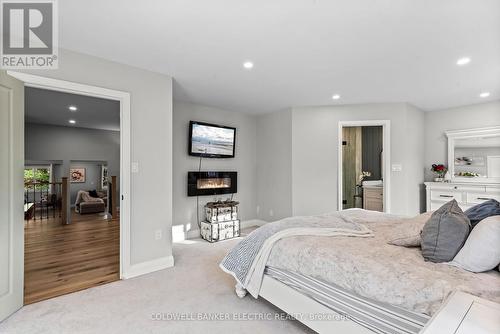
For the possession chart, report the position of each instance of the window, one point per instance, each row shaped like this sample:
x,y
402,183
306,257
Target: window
x,y
37,174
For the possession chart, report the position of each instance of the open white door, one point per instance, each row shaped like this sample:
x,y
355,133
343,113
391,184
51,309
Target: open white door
x,y
11,194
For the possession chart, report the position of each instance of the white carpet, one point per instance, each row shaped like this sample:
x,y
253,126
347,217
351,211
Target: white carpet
x,y
195,287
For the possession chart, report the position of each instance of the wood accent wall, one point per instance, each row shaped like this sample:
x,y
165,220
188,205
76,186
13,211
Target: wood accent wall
x,y
372,151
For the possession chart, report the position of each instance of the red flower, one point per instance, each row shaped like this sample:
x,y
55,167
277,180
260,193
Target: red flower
x,y
438,168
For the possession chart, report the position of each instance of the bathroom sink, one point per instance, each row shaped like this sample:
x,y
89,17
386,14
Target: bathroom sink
x,y
374,183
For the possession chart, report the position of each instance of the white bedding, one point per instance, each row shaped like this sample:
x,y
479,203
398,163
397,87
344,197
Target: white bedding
x,y
372,268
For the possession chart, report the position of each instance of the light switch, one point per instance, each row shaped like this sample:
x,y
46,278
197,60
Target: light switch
x,y
135,167
397,167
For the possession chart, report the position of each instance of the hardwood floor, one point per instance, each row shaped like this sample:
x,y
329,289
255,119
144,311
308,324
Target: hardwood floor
x,y
61,259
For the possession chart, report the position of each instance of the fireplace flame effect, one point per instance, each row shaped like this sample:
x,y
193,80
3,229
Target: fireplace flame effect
x,y
213,183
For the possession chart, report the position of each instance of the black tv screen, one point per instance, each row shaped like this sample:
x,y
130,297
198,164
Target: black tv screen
x,y
211,140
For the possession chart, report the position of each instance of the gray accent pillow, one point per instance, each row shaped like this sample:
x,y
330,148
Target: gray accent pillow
x,y
445,233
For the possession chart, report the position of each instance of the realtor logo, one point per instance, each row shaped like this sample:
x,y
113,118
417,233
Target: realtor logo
x,y
29,34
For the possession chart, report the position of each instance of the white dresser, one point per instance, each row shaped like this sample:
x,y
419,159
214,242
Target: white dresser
x,y
466,194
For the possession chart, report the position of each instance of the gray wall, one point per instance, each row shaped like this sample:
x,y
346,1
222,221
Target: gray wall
x,y
468,117
315,152
297,154
274,168
92,178
413,192
151,144
244,162
75,147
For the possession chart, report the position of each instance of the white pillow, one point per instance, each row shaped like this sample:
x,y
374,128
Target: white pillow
x,y
481,251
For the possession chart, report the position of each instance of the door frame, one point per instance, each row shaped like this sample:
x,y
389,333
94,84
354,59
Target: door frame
x,y
123,98
386,170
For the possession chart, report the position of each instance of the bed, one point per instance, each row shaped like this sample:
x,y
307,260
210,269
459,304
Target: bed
x,y
337,272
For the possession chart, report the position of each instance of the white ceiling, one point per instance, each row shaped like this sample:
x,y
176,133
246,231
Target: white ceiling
x,y
52,107
303,50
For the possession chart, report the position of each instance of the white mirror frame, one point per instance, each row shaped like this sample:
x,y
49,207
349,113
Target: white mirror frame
x,y
464,134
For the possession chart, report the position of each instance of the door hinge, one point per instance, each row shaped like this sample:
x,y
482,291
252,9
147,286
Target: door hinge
x,y
344,142
123,198
344,201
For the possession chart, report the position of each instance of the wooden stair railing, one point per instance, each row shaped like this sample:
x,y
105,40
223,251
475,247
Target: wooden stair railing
x,y
40,197
64,205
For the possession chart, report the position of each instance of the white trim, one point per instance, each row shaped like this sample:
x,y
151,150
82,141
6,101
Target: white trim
x,y
489,160
149,266
192,234
125,177
493,131
386,172
466,133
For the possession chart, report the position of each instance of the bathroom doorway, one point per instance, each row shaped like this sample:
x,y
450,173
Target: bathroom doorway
x,y
363,156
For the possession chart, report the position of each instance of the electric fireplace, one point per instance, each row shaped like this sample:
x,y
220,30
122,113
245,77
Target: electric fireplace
x,y
212,183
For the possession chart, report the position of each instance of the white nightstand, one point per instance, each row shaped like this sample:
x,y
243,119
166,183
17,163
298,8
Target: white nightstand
x,y
463,313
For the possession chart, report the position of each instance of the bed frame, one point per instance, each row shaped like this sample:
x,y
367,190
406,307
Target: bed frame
x,y
293,302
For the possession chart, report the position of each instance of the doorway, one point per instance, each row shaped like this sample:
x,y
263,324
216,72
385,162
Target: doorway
x,y
364,177
112,226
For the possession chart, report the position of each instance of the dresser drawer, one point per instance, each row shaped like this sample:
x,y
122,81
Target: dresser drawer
x,y
446,195
458,187
477,198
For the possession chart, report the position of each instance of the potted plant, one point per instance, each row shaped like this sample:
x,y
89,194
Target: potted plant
x,y
439,170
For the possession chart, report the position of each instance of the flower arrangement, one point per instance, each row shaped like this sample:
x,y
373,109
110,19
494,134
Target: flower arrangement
x,y
363,176
440,170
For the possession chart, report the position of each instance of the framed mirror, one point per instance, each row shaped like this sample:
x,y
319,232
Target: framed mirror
x,y
474,155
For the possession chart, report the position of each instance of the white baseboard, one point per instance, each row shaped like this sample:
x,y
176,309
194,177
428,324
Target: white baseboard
x,y
192,234
149,267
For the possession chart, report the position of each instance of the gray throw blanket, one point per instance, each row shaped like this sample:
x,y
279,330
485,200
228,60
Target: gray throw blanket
x,y
247,260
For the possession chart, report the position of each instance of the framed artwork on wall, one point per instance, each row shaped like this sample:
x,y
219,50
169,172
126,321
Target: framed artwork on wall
x,y
77,175
104,177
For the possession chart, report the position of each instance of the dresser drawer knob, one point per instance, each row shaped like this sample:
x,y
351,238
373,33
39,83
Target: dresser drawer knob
x,y
484,198
447,196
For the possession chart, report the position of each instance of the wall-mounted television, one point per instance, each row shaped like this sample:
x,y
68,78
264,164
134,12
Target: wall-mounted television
x,y
211,140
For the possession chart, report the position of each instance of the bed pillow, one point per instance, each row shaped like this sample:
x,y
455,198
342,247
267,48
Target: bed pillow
x,y
481,251
445,233
407,232
482,211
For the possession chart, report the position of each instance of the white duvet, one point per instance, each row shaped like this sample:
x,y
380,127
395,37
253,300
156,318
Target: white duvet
x,y
374,269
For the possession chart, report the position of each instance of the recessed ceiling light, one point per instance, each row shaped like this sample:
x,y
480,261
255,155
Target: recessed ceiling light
x,y
73,108
484,94
71,121
463,61
335,96
248,65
